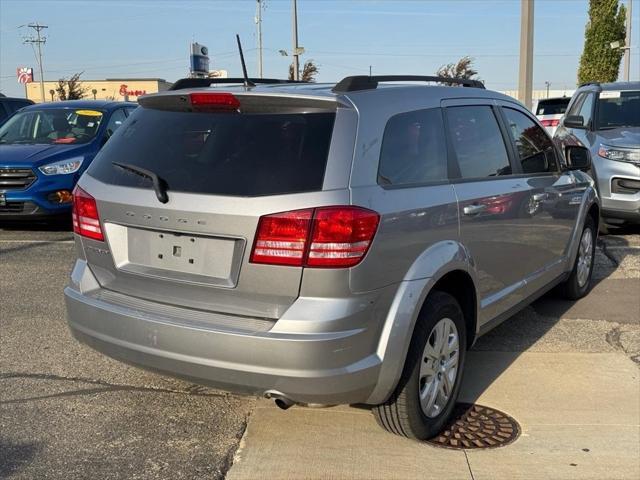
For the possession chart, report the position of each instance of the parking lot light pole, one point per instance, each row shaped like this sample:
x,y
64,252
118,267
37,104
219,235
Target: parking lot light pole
x,y
627,42
294,21
525,73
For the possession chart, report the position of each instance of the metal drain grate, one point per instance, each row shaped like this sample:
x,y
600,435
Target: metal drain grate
x,y
476,426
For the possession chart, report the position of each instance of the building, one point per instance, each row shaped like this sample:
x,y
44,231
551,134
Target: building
x,y
109,89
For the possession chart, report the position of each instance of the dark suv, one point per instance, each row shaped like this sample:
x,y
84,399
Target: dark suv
x,y
8,106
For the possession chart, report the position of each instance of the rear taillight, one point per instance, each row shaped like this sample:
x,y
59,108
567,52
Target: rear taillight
x,y
86,221
550,123
330,237
218,101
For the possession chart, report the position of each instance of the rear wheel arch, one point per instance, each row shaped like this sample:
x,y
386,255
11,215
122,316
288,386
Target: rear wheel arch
x,y
460,285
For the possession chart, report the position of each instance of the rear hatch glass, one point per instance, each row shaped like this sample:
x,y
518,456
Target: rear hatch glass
x,y
220,153
552,107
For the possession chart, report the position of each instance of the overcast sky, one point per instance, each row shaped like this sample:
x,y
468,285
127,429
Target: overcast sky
x,y
150,38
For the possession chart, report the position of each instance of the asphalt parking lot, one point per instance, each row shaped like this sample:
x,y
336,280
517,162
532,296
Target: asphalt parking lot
x,y
68,412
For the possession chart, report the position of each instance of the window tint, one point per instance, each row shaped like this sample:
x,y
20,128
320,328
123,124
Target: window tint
x,y
555,106
220,153
586,108
117,118
15,105
535,149
413,149
477,142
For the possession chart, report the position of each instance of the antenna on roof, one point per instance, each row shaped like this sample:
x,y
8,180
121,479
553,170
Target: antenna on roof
x,y
247,82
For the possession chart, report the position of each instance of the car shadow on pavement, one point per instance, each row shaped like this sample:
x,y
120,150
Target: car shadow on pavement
x,y
522,331
13,456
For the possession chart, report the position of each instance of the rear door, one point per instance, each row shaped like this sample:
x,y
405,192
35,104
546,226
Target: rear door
x,y
224,170
495,218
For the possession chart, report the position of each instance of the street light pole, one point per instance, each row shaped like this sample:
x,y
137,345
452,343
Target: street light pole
x,y
627,42
548,84
296,62
259,22
525,72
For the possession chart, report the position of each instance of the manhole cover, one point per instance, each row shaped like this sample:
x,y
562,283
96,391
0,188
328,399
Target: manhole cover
x,y
476,426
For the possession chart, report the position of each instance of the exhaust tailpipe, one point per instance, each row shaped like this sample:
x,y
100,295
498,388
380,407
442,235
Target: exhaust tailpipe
x,y
279,399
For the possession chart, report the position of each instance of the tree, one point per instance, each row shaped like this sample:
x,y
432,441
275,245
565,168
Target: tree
x,y
463,68
309,71
599,62
71,88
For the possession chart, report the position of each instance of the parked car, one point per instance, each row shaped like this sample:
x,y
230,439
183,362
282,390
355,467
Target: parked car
x,y
605,118
550,110
325,244
8,106
45,148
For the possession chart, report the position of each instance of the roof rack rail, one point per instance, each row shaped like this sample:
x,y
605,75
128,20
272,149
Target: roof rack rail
x,y
589,83
207,82
364,82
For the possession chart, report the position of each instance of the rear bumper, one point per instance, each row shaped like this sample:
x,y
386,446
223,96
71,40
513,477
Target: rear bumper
x,y
330,367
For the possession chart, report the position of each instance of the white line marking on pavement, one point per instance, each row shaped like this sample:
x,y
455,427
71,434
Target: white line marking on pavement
x,y
36,241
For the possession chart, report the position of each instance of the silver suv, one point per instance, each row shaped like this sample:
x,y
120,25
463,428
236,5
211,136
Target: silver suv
x,y
605,118
325,244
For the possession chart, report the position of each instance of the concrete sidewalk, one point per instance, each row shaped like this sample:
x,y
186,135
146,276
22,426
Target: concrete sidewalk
x,y
579,412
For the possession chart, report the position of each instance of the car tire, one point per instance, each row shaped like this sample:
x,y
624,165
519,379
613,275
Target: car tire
x,y
404,412
579,282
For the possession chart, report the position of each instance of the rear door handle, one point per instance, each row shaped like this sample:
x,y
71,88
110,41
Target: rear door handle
x,y
474,209
539,197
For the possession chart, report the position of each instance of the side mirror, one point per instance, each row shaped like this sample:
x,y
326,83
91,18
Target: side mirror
x,y
578,158
574,121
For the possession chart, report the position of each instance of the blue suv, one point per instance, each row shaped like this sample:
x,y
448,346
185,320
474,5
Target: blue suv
x,y
45,148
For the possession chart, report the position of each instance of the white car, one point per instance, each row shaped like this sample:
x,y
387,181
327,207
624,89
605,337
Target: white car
x,y
550,110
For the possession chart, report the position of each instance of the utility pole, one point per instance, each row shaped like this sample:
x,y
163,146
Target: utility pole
x,y
296,60
525,72
259,24
627,42
38,40
547,84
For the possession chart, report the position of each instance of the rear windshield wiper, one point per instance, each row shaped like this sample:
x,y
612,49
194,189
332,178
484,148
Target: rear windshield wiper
x,y
159,185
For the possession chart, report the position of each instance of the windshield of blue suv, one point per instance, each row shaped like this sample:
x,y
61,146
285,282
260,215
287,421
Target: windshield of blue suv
x,y
618,109
51,126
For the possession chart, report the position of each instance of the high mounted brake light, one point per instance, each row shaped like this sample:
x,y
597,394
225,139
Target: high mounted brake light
x,y
214,101
326,237
86,221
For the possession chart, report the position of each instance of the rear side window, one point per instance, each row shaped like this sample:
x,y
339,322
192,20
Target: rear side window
x,y
552,107
220,153
477,142
535,149
413,149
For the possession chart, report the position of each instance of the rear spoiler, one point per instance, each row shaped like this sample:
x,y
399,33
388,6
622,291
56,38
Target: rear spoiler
x,y
241,102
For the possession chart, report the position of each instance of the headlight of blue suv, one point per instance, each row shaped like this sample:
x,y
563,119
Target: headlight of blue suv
x,y
62,167
620,154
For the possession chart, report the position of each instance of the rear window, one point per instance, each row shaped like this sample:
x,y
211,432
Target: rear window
x,y
220,153
552,107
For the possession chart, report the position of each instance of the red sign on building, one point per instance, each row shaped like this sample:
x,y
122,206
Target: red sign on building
x,y
125,92
25,74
